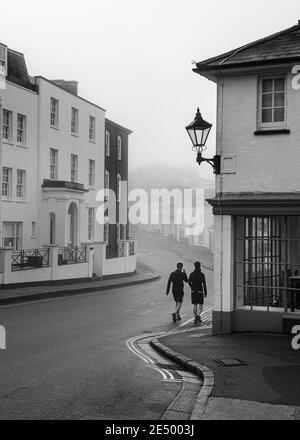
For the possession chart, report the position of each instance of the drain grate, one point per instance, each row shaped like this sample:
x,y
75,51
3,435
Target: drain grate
x,y
230,362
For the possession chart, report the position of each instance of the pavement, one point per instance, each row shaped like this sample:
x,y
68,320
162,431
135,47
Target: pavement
x,y
264,385
40,291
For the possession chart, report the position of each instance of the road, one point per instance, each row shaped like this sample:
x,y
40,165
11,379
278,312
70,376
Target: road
x,y
68,359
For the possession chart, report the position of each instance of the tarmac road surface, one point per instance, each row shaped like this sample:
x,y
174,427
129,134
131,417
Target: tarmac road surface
x,y
67,358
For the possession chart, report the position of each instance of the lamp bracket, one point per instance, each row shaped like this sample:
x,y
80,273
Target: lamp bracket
x,y
215,162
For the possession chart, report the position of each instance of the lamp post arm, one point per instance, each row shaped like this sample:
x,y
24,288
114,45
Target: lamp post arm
x,y
215,162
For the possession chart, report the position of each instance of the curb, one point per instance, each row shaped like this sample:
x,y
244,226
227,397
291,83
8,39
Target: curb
x,y
202,371
79,291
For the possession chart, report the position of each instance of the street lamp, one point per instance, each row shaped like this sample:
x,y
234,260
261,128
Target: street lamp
x,y
198,131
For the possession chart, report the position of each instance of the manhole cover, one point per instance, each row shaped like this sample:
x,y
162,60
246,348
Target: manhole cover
x,y
230,362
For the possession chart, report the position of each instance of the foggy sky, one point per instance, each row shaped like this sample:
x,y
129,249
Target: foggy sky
x,y
133,57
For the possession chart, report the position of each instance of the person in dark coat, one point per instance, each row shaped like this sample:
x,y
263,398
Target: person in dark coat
x,y
197,284
177,279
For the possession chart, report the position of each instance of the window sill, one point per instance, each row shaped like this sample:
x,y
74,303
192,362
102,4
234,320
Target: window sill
x,y
91,188
7,200
5,141
54,127
74,134
261,309
272,131
92,141
22,146
21,201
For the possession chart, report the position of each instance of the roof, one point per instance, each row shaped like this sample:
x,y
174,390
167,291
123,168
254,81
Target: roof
x,y
120,127
67,91
282,46
17,70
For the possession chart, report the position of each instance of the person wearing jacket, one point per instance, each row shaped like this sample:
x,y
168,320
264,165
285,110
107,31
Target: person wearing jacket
x,y
197,284
177,279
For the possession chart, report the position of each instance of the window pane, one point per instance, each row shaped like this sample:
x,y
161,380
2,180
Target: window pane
x,y
279,100
267,100
267,85
267,115
279,85
279,115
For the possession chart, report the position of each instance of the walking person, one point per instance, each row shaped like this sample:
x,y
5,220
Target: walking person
x,y
177,279
197,283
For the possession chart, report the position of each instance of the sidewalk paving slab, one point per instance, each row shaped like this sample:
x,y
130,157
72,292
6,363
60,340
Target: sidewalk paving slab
x,y
39,291
265,387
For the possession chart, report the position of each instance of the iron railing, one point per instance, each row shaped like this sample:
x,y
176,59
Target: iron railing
x,y
26,259
131,248
116,250
72,255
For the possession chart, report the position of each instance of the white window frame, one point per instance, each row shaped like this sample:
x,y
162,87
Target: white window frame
x,y
119,182
91,224
21,129
92,128
271,125
21,185
107,143
53,164
7,126
106,184
6,183
54,112
74,168
3,58
16,240
33,229
92,174
106,230
119,147
74,121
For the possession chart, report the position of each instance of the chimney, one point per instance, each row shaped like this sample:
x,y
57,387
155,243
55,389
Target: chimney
x,y
69,86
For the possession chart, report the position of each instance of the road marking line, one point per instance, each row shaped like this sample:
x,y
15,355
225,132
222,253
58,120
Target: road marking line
x,y
173,380
165,377
134,349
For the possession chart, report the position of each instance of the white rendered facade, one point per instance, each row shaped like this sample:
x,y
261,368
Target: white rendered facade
x,y
47,199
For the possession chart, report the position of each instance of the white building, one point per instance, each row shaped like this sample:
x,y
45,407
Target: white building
x,y
168,224
51,167
257,209
70,167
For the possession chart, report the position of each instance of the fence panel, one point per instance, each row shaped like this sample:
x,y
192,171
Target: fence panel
x,y
72,255
131,248
30,259
116,250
